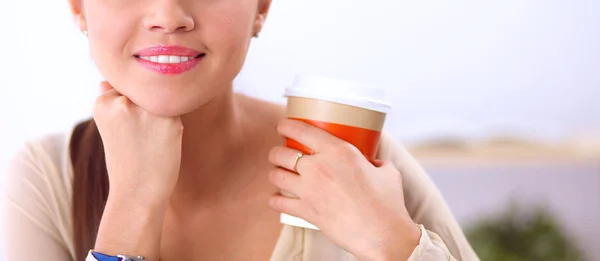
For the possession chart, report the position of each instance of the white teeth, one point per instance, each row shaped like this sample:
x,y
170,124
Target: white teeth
x,y
167,58
174,59
163,59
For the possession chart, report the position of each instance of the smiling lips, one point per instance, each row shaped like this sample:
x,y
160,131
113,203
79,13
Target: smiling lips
x,y
169,59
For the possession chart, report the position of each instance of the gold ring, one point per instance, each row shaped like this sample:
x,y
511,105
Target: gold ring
x,y
298,156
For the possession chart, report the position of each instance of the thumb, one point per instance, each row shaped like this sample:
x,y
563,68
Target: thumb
x,y
378,163
384,164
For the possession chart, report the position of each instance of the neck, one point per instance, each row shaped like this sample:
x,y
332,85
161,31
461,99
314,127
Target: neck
x,y
212,137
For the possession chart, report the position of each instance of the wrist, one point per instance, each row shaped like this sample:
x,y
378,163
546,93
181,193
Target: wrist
x,y
405,245
138,197
141,204
131,225
399,245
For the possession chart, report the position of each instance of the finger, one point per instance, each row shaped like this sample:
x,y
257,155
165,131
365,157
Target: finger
x,y
290,206
285,157
105,87
106,99
108,93
316,139
286,181
111,98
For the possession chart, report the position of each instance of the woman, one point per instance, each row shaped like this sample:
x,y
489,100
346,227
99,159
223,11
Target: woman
x,y
194,168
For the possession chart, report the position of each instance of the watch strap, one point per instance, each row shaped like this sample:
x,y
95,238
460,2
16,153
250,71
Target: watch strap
x,y
97,256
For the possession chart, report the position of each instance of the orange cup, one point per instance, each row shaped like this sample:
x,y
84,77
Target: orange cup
x,y
350,111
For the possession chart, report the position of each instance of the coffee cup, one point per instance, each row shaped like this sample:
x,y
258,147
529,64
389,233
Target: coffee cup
x,y
350,111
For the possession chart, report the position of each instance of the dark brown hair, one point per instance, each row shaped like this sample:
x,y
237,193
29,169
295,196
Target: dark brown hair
x,y
90,185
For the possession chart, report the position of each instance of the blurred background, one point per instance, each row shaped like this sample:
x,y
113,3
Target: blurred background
x,y
500,100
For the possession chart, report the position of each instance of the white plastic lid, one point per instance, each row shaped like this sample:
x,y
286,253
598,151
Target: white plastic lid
x,y
339,91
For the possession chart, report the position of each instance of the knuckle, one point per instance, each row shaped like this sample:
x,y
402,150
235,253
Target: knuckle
x,y
348,153
122,102
273,154
345,149
301,129
274,176
101,101
354,151
278,203
279,155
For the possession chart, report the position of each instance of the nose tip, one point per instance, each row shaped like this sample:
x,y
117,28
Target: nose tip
x,y
165,29
169,20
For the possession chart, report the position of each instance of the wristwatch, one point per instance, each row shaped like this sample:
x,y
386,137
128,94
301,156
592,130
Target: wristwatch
x,y
96,256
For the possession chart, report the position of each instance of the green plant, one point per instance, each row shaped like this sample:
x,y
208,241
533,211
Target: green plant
x,y
518,235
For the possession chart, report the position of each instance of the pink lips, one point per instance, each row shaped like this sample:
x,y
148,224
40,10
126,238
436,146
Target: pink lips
x,y
169,68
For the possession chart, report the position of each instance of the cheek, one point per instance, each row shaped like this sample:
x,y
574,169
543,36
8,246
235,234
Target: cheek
x,y
109,26
227,32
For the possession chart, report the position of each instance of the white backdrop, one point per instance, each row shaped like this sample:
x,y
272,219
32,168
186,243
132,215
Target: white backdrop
x,y
462,67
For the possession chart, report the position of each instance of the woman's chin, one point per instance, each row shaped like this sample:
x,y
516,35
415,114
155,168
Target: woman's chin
x,y
165,107
167,112
171,101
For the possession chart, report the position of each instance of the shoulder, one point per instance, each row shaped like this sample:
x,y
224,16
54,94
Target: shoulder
x,y
44,159
423,200
387,144
418,186
36,192
261,108
390,149
261,117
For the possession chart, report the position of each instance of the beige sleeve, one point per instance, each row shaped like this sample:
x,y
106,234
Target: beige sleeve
x,y
32,211
431,248
426,205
